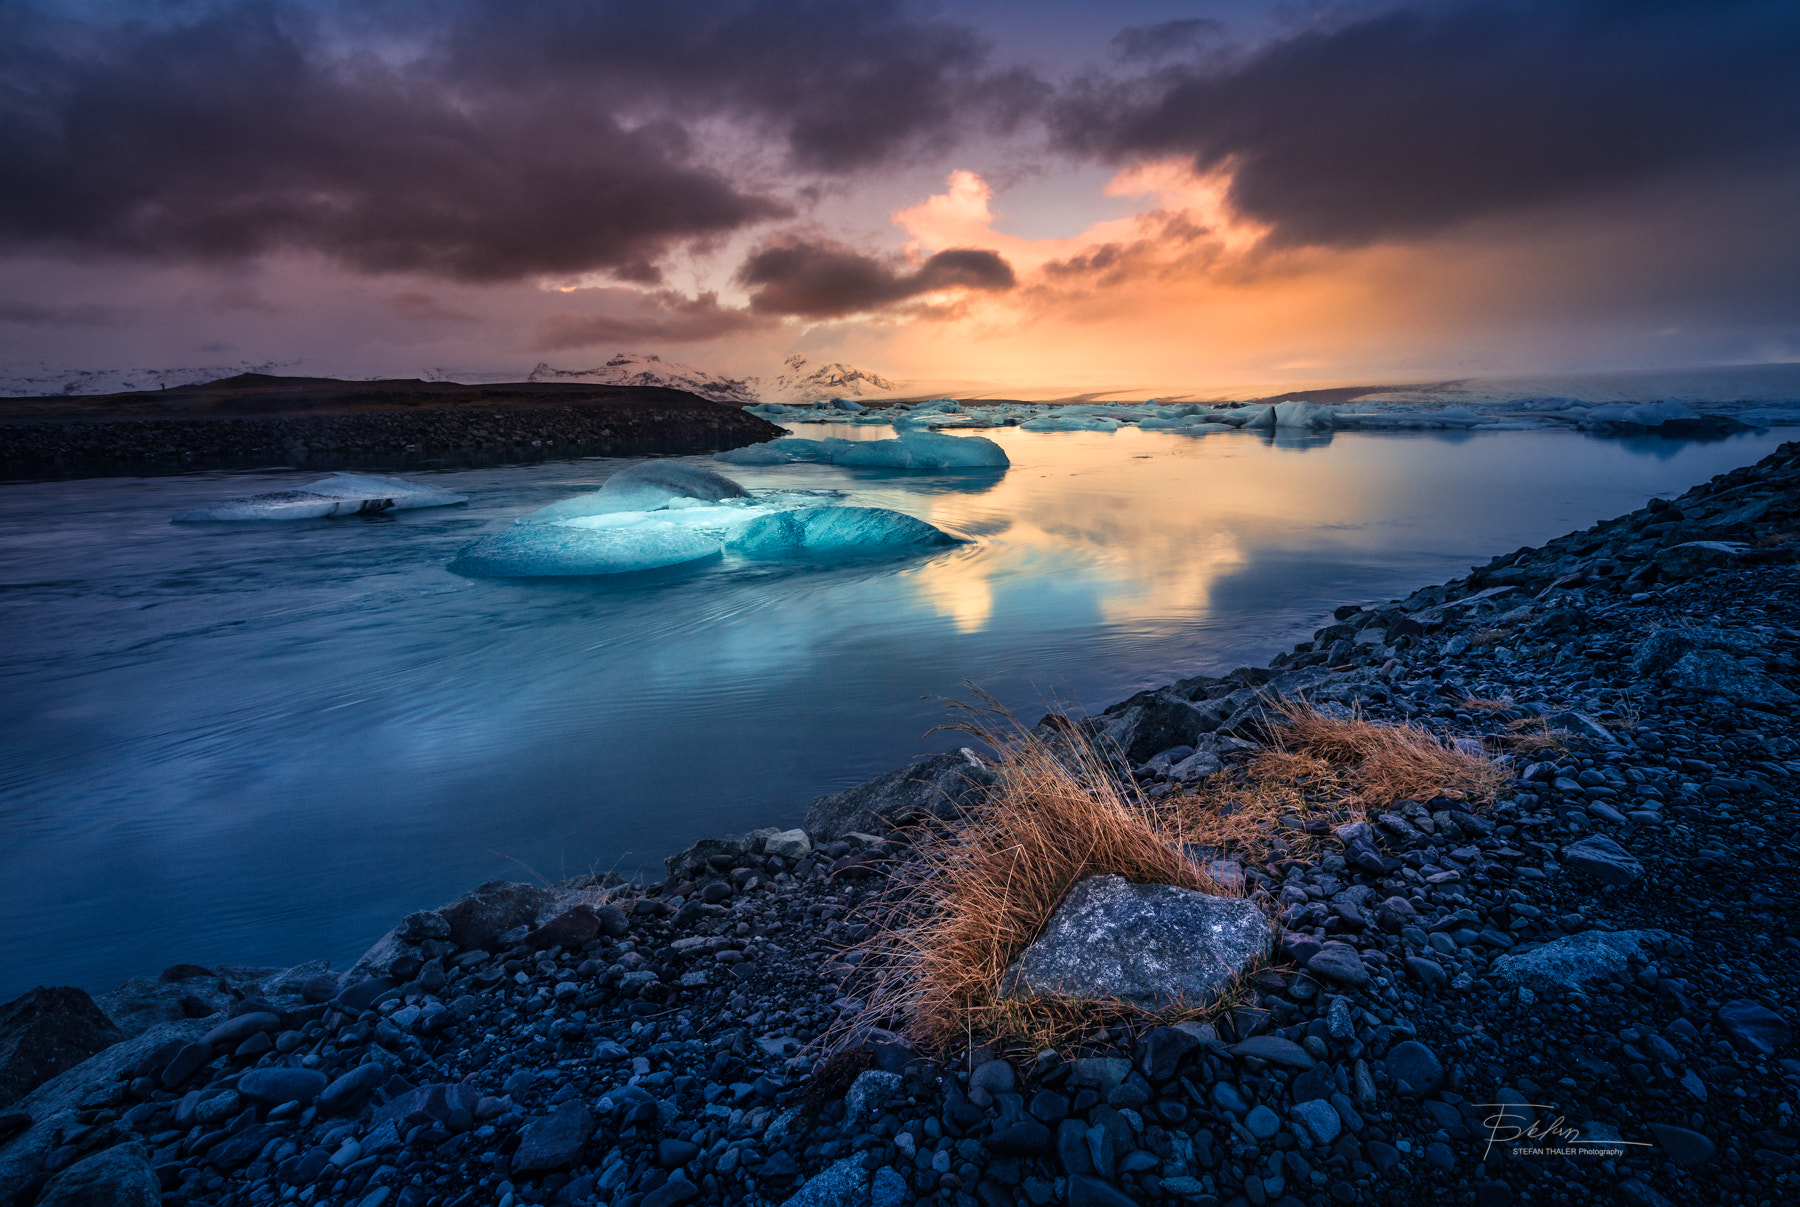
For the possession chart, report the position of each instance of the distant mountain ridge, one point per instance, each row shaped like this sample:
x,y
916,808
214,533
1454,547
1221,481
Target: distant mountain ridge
x,y
802,382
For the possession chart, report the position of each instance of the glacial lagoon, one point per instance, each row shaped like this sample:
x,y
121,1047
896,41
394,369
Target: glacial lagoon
x,y
263,743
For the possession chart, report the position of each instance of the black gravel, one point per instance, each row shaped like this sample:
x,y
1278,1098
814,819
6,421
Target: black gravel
x,y
653,1050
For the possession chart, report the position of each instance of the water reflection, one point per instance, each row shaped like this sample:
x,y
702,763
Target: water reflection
x,y
267,743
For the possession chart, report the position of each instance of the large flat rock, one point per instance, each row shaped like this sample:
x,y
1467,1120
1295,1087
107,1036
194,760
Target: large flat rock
x,y
1153,945
940,786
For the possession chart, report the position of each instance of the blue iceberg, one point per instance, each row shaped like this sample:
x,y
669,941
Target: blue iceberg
x,y
646,486
835,531
571,550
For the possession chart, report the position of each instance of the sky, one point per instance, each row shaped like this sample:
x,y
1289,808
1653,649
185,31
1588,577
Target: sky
x,y
1143,194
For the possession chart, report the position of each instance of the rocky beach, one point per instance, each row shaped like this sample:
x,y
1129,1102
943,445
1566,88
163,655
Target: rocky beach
x,y
1581,991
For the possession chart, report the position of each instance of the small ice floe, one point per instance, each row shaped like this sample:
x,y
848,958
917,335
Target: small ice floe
x,y
645,486
340,494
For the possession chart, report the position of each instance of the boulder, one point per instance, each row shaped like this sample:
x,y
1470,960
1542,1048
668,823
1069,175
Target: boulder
x,y
1716,673
1151,722
190,991
46,1031
569,929
553,1141
1153,945
1603,859
1577,960
1414,1068
940,786
119,1176
1695,557
481,917
1656,654
1753,1027
789,844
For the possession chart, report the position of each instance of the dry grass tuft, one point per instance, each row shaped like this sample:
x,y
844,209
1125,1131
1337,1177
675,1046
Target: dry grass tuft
x,y
1385,763
1486,704
983,889
987,887
1486,637
1535,735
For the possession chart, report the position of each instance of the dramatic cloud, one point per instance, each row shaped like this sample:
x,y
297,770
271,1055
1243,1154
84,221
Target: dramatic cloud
x,y
829,280
663,317
1409,121
476,141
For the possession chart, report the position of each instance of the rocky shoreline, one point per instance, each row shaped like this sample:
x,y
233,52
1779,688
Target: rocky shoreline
x,y
1607,953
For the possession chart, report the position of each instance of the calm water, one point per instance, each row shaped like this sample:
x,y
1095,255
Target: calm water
x,y
263,744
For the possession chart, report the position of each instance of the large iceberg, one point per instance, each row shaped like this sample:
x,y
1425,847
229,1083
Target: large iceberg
x,y
909,450
571,550
1292,413
784,451
924,450
645,486
838,531
340,494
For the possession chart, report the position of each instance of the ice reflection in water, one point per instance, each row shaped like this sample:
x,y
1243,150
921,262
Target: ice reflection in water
x,y
267,743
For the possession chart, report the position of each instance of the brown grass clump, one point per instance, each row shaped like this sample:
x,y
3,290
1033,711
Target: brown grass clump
x,y
988,886
1486,704
1384,763
1535,735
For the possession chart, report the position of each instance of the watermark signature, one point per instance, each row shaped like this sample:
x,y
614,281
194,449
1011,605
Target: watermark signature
x,y
1551,1137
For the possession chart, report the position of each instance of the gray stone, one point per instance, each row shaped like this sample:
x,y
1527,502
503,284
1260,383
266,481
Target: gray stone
x,y
234,1031
941,786
1577,960
1414,1068
1603,859
46,1031
345,1095
888,1189
870,1093
1714,673
553,1141
1695,557
1262,1122
840,1183
1683,1146
1753,1027
1151,722
1657,653
1153,945
1319,1118
115,1177
272,1087
675,1191
481,917
1275,1050
1339,962
1103,1073
994,1076
789,844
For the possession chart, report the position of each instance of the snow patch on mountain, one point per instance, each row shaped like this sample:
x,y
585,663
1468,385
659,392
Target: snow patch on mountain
x,y
18,382
802,381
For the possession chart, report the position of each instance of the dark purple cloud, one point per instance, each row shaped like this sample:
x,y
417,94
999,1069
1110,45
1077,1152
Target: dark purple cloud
x,y
663,317
821,279
1423,116
467,139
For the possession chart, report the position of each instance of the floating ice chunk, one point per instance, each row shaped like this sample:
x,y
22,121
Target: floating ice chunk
x,y
645,486
1629,416
845,404
1191,425
923,450
340,494
1291,413
570,550
835,531
1450,418
1069,423
783,451
1771,416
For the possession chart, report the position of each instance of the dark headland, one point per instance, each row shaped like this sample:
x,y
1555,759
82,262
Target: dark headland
x,y
255,420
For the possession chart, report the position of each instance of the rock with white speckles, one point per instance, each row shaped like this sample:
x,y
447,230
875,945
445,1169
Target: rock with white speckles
x,y
1149,944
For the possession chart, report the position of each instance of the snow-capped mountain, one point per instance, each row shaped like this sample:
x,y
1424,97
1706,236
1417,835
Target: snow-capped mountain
x,y
803,381
19,382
